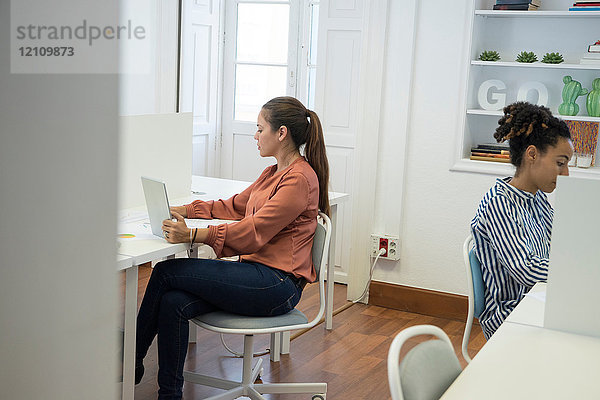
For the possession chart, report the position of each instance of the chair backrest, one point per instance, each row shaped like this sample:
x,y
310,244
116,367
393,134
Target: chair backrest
x,y
475,288
427,370
474,278
320,254
320,240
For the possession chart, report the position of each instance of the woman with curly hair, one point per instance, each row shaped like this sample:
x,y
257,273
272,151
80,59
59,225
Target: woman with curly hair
x,y
513,223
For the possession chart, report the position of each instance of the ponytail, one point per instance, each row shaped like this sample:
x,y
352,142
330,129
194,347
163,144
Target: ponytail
x,y
305,128
317,158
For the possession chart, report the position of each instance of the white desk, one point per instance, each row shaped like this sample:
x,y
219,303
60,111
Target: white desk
x,y
530,311
523,360
529,362
133,253
206,188
125,263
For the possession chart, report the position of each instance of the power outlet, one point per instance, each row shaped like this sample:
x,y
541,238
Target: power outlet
x,y
391,244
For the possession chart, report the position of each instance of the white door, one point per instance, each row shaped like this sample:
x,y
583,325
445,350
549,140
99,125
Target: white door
x,y
260,62
199,80
273,48
339,42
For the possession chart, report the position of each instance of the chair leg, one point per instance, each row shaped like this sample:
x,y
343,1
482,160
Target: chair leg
x,y
254,395
247,363
466,338
209,381
192,330
257,370
285,342
228,395
279,388
275,348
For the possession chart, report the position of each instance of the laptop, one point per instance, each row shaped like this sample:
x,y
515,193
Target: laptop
x,y
573,290
157,203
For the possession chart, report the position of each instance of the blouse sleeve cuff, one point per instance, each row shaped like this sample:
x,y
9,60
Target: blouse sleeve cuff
x,y
190,212
199,209
216,238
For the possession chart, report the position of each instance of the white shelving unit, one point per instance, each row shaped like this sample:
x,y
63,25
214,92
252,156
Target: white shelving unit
x,y
536,64
552,29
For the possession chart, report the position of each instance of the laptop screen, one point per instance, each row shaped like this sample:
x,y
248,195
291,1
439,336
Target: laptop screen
x,y
157,203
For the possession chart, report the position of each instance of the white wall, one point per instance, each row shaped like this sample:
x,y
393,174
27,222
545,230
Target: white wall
x,y
417,197
58,202
438,205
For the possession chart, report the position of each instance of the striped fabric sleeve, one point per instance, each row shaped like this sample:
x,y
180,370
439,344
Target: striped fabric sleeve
x,y
508,238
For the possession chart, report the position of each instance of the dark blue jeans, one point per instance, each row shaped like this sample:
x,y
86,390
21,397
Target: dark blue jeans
x,y
183,288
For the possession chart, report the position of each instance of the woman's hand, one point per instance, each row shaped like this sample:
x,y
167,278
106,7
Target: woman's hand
x,y
176,232
181,210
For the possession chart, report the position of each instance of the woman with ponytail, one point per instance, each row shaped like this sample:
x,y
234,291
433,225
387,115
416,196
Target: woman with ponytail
x,y
276,219
513,224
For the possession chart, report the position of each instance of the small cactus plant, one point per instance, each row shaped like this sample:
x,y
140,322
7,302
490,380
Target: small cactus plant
x,y
489,55
571,91
526,57
593,100
552,58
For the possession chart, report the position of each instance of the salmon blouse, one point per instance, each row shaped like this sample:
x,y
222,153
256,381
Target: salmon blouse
x,y
276,219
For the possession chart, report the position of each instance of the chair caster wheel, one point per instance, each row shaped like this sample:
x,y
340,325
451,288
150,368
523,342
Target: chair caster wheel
x,y
318,397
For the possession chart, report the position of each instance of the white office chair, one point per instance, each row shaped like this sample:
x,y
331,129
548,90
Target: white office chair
x,y
223,322
427,370
476,291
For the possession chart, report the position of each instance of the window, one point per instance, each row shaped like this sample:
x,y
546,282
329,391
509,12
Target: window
x,y
262,56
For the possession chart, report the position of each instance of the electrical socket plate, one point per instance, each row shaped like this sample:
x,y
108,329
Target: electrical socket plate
x,y
390,243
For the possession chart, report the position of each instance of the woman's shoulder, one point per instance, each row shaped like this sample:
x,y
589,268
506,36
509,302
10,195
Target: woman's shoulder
x,y
301,168
496,199
497,191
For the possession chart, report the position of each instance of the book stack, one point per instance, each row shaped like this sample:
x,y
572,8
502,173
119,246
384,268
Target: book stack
x,y
593,5
593,54
494,152
521,5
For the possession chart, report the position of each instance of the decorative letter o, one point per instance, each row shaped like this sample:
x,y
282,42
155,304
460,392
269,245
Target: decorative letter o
x,y
537,86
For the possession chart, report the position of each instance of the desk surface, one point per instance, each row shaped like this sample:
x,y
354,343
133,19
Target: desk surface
x,y
123,262
530,310
203,188
529,362
143,251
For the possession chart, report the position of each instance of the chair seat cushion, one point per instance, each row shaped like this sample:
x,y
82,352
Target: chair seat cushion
x,y
235,321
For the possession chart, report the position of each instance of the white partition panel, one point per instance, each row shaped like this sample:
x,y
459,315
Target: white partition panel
x,y
158,146
572,294
58,207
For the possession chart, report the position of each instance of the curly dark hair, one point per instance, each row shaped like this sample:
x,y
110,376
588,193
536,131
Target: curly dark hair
x,y
525,124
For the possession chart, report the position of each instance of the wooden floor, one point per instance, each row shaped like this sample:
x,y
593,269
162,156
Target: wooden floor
x,y
351,358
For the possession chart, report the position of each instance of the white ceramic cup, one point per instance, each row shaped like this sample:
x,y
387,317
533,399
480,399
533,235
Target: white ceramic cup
x,y
584,160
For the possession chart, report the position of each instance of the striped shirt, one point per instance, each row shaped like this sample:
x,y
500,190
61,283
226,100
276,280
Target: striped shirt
x,y
512,230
